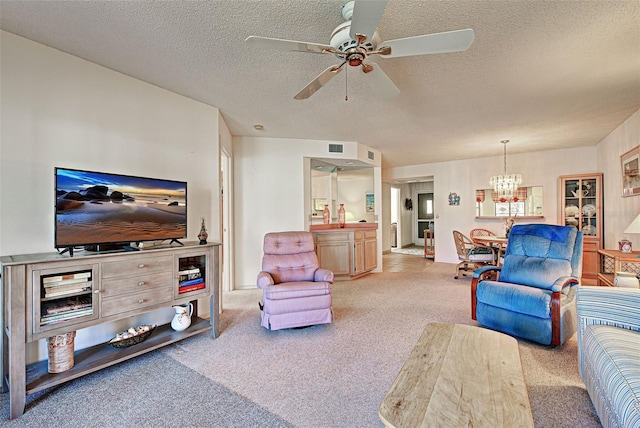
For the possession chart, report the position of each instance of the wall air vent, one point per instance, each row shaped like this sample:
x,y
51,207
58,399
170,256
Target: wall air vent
x,y
370,155
336,148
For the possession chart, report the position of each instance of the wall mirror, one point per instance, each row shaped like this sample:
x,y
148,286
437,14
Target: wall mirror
x,y
526,204
341,181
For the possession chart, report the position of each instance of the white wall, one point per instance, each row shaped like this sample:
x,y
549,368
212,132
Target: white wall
x,y
465,176
352,193
618,211
59,110
273,193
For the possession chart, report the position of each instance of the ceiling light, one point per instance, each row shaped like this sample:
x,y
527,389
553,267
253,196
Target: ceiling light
x,y
258,127
505,185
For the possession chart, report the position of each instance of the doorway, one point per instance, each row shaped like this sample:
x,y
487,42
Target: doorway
x,y
425,215
226,262
396,226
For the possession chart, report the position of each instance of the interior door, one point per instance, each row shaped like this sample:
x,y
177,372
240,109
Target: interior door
x,y
425,215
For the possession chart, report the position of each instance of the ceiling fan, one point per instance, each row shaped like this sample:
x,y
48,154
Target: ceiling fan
x,y
354,41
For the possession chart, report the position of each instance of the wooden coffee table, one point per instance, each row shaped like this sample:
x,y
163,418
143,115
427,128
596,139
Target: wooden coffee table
x,y
459,376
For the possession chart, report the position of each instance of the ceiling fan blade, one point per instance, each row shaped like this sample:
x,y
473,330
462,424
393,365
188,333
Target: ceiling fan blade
x,y
378,80
287,45
450,41
318,82
365,18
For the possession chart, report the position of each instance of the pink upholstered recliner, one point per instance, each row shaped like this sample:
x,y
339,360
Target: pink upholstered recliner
x,y
296,292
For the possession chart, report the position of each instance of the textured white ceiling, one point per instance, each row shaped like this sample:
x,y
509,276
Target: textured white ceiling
x,y
544,74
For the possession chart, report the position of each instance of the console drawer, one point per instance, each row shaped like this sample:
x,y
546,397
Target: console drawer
x,y
134,284
137,301
137,266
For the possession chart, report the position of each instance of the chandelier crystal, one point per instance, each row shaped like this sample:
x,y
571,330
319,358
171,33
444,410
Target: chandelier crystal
x,y
505,185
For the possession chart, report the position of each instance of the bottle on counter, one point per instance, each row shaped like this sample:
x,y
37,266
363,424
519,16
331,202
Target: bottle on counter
x,y
326,214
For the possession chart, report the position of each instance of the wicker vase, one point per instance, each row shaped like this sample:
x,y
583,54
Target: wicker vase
x,y
60,348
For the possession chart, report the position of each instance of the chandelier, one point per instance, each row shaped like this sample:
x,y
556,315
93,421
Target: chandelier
x,y
505,185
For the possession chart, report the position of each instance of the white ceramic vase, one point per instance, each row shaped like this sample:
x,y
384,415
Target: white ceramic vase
x,y
182,319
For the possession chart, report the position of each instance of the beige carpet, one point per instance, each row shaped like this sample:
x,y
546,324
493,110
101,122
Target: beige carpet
x,y
336,375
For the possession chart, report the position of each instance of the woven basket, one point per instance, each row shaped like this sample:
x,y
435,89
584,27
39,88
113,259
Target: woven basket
x,y
60,349
134,340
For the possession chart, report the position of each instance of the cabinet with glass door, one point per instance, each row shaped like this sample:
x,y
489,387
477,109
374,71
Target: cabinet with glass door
x,y
580,206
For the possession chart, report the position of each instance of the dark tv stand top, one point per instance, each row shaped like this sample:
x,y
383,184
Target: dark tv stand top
x,y
112,248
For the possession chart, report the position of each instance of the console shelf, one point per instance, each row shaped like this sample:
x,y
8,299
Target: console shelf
x,y
97,357
122,286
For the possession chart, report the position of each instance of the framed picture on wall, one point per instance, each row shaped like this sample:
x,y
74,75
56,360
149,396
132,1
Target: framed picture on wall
x,y
369,203
631,172
319,203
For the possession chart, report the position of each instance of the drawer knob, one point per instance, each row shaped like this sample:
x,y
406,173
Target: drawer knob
x,y
96,291
141,283
141,265
141,301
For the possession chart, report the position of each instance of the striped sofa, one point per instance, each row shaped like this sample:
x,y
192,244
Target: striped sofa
x,y
609,352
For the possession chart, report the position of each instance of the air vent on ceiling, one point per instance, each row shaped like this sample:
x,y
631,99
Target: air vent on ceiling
x,y
335,148
370,155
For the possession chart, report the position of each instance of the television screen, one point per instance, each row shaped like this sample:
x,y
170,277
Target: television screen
x,y
100,208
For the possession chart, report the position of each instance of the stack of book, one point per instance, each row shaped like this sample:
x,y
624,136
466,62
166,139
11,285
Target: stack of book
x,y
67,296
62,285
190,280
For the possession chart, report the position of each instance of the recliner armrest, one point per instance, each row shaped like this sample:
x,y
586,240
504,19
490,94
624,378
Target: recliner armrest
x,y
478,272
265,280
323,275
563,282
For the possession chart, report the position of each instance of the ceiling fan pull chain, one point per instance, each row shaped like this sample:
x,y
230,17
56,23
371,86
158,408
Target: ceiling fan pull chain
x,y
346,84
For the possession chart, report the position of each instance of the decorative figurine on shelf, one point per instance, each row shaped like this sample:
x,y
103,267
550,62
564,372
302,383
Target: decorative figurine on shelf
x,y
341,216
326,215
625,246
203,235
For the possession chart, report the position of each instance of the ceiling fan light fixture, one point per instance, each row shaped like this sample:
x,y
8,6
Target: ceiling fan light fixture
x,y
355,60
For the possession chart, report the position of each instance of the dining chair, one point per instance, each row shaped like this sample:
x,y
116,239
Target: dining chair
x,y
498,248
480,232
471,256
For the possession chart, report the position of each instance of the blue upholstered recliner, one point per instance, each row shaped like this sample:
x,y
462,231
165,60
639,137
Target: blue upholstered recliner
x,y
534,296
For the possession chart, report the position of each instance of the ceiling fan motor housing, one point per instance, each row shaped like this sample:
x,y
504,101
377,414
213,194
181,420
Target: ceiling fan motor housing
x,y
342,41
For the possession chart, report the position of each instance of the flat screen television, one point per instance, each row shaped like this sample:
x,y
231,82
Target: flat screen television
x,y
94,208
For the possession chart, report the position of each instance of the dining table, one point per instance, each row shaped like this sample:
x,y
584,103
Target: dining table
x,y
497,242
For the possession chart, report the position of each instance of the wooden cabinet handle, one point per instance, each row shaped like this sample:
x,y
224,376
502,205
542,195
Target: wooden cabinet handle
x,y
141,283
141,301
141,265
96,291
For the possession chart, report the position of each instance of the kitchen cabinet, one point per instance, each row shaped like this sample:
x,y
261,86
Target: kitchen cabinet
x,y
349,252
